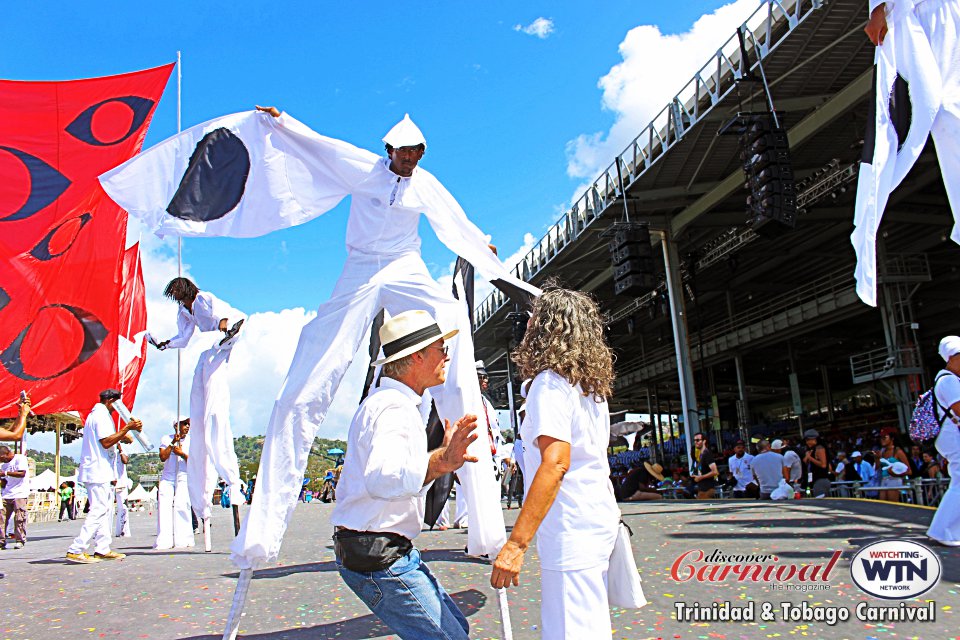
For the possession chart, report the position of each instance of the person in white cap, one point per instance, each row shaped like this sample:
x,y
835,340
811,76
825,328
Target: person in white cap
x,y
174,524
211,452
945,526
792,467
381,496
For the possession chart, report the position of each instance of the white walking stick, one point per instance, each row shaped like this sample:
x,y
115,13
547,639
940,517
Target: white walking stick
x,y
505,614
236,609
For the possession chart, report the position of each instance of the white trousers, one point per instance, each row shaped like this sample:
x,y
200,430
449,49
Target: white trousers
x,y
97,525
462,514
211,451
574,604
327,345
121,523
174,525
945,525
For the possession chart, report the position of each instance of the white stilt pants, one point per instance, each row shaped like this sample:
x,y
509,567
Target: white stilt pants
x,y
97,525
945,525
174,525
211,438
327,345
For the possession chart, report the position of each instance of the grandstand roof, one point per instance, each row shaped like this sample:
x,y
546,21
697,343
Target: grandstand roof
x,y
766,298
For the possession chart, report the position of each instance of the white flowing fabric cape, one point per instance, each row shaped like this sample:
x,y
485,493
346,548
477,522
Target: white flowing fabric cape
x,y
277,173
907,51
295,175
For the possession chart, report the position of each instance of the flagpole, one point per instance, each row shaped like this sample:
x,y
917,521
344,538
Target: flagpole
x,y
176,418
179,239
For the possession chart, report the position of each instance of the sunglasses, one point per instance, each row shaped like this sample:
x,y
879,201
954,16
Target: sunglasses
x,y
445,349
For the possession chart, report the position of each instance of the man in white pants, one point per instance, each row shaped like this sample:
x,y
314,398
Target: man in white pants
x,y
96,471
121,491
211,451
174,526
945,526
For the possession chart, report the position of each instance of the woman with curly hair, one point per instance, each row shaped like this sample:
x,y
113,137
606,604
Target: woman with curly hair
x,y
569,499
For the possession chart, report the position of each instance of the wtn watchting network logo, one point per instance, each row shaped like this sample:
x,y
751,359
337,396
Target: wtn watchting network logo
x,y
895,569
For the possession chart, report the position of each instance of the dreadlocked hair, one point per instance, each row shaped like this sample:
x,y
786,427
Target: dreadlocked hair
x,y
181,290
565,335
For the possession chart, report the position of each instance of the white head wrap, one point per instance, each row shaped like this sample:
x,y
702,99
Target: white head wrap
x,y
949,346
405,134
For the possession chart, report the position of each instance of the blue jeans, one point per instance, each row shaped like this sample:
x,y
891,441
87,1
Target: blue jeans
x,y
409,600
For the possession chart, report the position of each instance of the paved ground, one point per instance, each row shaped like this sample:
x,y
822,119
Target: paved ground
x,y
186,595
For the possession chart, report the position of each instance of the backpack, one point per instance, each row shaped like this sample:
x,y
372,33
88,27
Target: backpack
x,y
927,419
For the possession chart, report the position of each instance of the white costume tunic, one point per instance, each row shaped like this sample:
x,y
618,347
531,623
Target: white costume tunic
x,y
945,526
96,471
294,176
174,525
922,46
211,450
575,539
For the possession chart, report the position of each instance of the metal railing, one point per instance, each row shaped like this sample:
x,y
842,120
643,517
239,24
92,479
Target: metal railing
x,y
764,31
879,363
838,281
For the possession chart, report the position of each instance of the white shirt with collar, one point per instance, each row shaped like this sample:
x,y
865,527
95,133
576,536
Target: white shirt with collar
x,y
16,488
742,470
381,487
97,464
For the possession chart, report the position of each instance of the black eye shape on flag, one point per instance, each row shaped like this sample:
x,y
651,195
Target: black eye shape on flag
x,y
82,127
215,179
61,237
4,299
46,185
94,334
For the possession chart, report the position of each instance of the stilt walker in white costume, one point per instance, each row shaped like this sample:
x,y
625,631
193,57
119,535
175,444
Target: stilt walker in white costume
x,y
919,41
174,525
945,526
248,174
211,451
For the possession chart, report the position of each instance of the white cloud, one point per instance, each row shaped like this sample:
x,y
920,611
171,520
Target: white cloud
x,y
541,28
653,70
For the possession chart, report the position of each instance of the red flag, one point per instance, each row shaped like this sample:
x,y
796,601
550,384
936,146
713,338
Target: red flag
x,y
61,237
132,351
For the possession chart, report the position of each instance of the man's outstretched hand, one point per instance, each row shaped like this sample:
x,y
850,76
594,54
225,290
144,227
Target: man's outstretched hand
x,y
271,110
876,28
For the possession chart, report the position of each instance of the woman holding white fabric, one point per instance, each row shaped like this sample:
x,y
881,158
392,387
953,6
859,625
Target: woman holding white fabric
x,y
569,499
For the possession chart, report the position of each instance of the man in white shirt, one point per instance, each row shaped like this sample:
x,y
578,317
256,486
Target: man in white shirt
x,y
740,464
13,473
211,450
792,468
96,471
386,476
945,526
174,525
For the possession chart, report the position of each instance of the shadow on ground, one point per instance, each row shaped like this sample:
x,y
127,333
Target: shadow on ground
x,y
469,601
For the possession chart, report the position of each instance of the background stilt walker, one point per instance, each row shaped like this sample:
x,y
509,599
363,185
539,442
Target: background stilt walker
x,y
211,450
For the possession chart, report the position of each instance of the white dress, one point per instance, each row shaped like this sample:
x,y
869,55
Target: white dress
x,y
945,526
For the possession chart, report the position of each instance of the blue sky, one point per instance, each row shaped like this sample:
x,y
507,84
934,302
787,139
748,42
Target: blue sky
x,y
520,103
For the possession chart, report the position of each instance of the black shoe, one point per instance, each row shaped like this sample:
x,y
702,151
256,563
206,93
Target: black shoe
x,y
232,331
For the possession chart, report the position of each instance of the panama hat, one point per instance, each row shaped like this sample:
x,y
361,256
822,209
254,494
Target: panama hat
x,y
407,333
655,470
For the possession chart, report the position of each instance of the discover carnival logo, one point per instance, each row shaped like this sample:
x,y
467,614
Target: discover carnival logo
x,y
895,569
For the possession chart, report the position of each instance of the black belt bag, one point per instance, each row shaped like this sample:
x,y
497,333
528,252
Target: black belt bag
x,y
367,551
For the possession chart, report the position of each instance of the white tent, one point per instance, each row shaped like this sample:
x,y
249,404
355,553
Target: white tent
x,y
139,495
46,481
